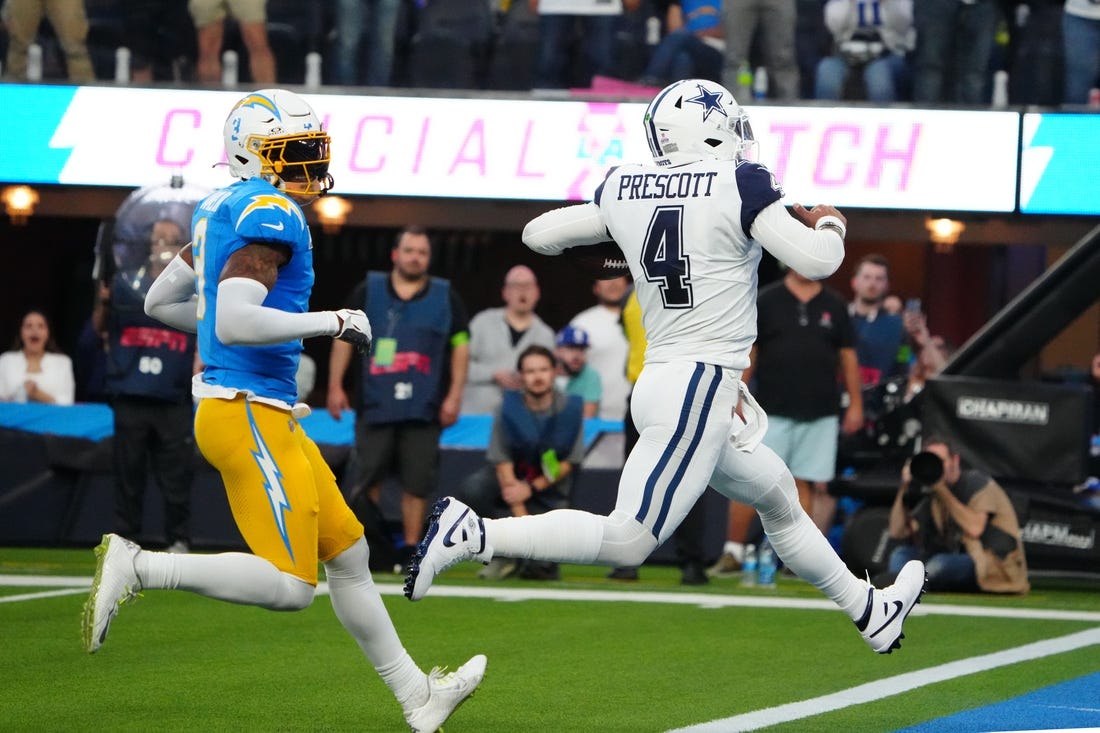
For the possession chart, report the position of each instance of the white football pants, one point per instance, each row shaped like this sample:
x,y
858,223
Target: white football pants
x,y
684,414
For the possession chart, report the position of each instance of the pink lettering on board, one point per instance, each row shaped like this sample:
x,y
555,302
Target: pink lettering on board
x,y
904,156
385,125
787,133
166,129
420,146
472,150
832,149
521,165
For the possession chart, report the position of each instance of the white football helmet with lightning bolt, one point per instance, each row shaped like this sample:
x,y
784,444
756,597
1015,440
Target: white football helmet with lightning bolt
x,y
696,119
274,134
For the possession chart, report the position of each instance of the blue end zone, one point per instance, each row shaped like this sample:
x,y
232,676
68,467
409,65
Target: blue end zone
x,y
1072,704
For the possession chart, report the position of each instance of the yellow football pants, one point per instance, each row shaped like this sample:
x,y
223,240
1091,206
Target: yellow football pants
x,y
283,495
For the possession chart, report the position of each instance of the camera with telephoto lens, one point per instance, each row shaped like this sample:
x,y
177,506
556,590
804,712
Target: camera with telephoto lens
x,y
925,470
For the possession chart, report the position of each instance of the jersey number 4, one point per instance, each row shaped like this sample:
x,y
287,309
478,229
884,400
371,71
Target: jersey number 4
x,y
663,258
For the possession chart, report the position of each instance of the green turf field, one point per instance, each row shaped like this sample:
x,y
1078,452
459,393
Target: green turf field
x,y
661,658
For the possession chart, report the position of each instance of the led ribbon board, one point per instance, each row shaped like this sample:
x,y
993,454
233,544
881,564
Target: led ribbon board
x,y
509,148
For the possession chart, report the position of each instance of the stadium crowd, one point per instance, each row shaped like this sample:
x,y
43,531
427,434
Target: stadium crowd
x,y
944,52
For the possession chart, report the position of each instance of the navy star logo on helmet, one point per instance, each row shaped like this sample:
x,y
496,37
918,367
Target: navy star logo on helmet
x,y
710,101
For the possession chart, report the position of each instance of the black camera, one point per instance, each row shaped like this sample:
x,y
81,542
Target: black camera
x,y
925,469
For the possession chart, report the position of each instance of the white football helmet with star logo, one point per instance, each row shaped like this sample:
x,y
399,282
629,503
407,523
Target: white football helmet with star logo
x,y
696,119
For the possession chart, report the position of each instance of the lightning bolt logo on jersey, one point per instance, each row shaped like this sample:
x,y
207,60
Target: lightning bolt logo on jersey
x,y
247,212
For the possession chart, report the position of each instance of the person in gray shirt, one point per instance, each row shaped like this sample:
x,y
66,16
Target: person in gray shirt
x,y
497,336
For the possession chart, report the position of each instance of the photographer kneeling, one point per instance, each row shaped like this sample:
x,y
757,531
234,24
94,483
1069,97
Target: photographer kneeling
x,y
960,523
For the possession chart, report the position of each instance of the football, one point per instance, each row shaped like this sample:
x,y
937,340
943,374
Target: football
x,y
603,261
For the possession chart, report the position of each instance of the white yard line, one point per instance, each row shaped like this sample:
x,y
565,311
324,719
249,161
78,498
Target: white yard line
x,y
895,685
42,594
71,585
703,600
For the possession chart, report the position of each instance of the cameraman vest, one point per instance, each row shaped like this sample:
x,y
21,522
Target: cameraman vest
x,y
410,385
145,358
529,436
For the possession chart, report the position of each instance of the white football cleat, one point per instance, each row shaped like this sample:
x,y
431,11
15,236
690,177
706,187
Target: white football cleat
x,y
455,533
115,583
446,691
887,608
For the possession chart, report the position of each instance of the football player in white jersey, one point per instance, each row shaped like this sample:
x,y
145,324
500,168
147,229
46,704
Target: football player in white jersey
x,y
692,225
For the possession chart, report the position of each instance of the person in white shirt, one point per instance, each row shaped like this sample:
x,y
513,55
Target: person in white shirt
x,y
693,226
607,346
35,370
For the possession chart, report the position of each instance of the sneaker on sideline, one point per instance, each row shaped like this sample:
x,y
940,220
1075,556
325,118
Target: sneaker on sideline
x,y
499,568
114,584
727,566
455,533
179,547
887,608
446,691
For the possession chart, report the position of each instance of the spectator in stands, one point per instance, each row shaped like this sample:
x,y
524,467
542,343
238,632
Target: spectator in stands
x,y
498,336
608,348
693,46
378,19
452,43
70,24
811,42
927,363
873,44
930,352
558,22
1081,41
961,523
159,52
804,341
149,370
1033,54
776,21
251,17
955,41
35,370
575,375
880,334
410,387
537,442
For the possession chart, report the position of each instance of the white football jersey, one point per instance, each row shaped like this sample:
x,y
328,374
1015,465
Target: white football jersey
x,y
685,233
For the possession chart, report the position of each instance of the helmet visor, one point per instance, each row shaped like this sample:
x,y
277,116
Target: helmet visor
x,y
741,127
298,159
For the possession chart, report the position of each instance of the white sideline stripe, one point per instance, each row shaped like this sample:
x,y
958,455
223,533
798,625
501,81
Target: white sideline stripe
x,y
703,600
894,685
71,586
42,594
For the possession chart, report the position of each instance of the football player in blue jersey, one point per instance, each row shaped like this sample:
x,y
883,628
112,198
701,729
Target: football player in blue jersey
x,y
692,225
243,284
